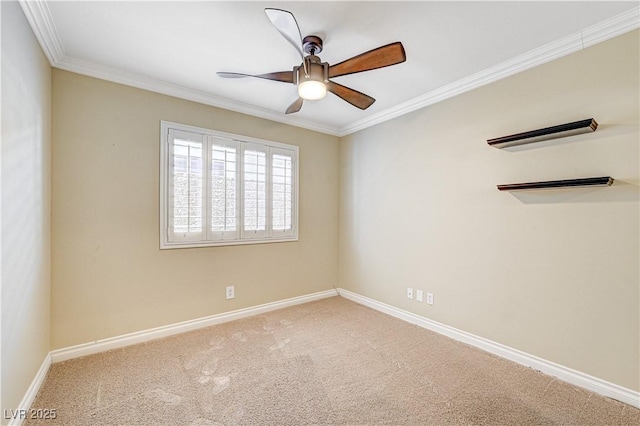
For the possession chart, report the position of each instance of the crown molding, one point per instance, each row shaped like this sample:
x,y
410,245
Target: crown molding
x,y
605,30
92,69
612,27
41,22
39,17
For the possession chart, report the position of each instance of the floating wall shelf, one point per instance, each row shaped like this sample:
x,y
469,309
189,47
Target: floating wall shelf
x,y
554,132
566,183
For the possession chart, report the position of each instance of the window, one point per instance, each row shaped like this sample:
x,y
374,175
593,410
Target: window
x,y
220,189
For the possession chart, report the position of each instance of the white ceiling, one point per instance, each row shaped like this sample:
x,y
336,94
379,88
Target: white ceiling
x,y
177,47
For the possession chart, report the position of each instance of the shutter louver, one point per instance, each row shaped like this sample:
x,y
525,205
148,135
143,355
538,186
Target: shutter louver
x,y
282,192
255,192
224,190
187,187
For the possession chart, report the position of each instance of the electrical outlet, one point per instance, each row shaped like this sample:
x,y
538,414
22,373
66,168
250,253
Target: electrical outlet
x,y
409,293
419,295
231,292
430,298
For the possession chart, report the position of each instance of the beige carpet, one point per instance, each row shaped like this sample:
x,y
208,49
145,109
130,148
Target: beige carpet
x,y
326,362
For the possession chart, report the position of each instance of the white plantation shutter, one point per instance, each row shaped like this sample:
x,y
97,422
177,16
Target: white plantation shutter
x,y
225,189
186,186
255,190
219,189
282,192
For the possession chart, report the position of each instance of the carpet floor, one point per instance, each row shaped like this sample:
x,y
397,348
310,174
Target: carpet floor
x,y
329,362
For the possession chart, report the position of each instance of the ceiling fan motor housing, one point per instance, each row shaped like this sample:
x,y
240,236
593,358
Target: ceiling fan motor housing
x,y
311,69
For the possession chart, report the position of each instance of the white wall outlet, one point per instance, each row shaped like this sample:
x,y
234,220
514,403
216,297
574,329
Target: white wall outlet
x,y
419,295
231,292
409,293
430,298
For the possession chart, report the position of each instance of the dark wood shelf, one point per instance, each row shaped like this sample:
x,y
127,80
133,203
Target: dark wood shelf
x,y
566,183
554,132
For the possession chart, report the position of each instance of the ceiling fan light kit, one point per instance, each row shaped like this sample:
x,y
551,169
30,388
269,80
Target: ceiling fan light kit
x,y
312,76
312,90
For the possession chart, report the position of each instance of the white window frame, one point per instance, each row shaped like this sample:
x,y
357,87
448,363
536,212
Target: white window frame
x,y
241,143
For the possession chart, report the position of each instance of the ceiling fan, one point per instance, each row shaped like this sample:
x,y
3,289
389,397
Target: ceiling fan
x,y
312,76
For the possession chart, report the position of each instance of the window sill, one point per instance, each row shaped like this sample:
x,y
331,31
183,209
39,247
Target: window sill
x,y
204,244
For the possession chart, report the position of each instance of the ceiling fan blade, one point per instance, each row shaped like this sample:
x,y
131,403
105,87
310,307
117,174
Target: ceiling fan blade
x,y
384,56
286,24
283,76
295,106
354,97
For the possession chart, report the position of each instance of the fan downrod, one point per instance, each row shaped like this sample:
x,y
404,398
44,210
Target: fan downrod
x,y
312,44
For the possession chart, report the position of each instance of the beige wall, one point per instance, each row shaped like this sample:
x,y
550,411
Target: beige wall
x,y
109,276
554,274
26,203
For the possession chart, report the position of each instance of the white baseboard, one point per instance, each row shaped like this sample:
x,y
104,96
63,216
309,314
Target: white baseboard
x,y
566,374
116,342
31,393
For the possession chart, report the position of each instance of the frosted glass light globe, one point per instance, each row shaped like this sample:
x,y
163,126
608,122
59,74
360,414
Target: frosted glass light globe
x,y
312,90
